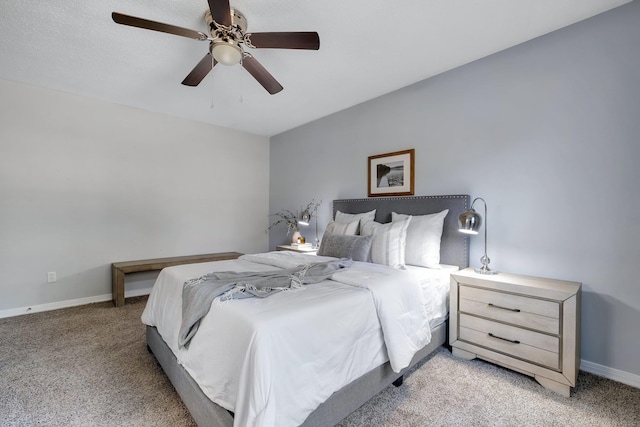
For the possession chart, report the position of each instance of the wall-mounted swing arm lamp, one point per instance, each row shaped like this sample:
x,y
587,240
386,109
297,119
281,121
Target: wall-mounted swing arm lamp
x,y
469,222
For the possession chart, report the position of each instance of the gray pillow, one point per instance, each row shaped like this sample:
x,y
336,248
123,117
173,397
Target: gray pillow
x,y
358,248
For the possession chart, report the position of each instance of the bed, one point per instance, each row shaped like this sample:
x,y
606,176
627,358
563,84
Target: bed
x,y
364,369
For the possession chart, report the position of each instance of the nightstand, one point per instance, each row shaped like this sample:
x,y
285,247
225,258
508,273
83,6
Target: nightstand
x,y
528,324
303,250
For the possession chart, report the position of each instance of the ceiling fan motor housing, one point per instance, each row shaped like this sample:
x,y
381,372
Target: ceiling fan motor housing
x,y
225,46
238,22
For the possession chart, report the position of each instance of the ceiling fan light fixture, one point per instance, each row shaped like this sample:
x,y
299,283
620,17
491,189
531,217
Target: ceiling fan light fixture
x,y
226,53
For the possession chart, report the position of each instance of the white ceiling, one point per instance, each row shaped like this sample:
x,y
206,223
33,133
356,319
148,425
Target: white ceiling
x,y
367,49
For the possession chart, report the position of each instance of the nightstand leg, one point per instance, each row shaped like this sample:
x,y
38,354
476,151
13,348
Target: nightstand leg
x,y
559,388
463,354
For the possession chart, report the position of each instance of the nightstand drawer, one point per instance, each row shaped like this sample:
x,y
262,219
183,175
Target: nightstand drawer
x,y
528,312
524,344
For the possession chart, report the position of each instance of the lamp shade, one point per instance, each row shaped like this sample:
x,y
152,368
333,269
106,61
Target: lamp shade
x,y
469,221
305,217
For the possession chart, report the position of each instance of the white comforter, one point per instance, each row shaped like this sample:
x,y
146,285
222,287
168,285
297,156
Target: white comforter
x,y
272,361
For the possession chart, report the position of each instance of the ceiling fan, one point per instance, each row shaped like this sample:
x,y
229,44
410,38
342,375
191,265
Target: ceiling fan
x,y
227,35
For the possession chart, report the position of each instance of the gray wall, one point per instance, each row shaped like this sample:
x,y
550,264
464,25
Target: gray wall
x,y
548,132
84,183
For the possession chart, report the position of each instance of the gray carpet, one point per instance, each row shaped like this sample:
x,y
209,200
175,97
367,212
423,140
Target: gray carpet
x,y
89,366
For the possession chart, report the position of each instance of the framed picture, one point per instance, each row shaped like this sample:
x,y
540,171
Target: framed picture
x,y
391,174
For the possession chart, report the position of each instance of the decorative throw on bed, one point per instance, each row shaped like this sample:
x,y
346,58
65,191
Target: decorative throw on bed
x,y
199,293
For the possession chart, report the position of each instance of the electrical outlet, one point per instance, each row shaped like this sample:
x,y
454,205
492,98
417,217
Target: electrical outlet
x,y
51,277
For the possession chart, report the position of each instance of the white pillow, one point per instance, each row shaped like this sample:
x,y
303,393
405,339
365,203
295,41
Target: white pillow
x,y
349,228
342,218
388,246
423,238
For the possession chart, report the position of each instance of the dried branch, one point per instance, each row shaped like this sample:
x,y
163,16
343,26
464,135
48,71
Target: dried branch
x,y
291,218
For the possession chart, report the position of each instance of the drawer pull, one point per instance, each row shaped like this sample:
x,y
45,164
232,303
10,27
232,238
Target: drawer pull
x,y
515,310
504,339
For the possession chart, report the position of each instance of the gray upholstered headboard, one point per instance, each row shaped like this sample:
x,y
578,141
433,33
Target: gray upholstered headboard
x,y
454,246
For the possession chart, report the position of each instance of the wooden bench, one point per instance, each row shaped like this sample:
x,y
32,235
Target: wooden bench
x,y
119,269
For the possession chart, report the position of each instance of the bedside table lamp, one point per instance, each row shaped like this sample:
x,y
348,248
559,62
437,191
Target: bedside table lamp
x,y
305,219
469,222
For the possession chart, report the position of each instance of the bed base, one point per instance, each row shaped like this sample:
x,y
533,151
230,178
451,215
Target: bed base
x,y
454,250
342,403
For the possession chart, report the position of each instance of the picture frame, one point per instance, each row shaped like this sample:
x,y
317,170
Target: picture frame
x,y
391,174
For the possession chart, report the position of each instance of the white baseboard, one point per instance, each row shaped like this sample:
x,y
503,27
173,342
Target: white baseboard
x,y
69,303
610,373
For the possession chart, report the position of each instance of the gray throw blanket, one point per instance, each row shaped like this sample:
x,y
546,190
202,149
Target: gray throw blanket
x,y
198,294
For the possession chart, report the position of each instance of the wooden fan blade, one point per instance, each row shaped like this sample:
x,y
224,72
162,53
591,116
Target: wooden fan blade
x,y
285,40
220,11
261,74
132,21
200,71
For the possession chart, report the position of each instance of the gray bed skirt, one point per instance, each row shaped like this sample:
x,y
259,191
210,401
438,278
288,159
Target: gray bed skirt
x,y
336,408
